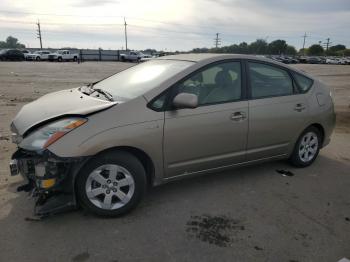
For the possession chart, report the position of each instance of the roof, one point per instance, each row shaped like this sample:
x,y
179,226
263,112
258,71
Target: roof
x,y
207,56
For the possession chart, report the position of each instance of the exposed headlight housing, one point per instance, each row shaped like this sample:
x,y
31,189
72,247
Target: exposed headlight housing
x,y
49,134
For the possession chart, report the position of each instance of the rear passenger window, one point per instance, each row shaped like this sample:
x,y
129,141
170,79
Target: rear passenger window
x,y
269,81
304,83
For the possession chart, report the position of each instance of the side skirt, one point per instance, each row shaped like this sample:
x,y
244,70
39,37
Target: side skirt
x,y
222,168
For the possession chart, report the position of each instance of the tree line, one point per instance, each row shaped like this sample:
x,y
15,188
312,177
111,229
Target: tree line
x,y
11,42
258,47
276,47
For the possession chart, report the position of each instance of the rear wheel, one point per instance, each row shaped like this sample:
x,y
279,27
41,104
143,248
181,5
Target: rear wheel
x,y
111,184
307,148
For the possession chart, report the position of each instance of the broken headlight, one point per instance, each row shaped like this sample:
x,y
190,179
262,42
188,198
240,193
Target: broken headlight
x,y
48,134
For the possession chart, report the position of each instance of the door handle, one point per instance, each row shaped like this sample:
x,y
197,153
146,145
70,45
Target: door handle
x,y
299,107
238,116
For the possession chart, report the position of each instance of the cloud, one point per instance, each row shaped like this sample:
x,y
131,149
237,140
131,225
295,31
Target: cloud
x,y
93,3
182,24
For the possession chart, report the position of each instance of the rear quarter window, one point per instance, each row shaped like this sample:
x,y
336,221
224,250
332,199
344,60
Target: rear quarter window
x,y
304,83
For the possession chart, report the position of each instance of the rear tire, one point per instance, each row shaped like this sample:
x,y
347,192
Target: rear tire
x,y
59,59
111,184
307,147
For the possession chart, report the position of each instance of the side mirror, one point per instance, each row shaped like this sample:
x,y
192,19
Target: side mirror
x,y
185,100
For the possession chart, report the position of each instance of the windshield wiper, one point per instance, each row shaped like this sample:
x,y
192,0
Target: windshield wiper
x,y
106,94
88,90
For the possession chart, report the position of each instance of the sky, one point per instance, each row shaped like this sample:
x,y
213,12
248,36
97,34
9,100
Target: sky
x,y
172,25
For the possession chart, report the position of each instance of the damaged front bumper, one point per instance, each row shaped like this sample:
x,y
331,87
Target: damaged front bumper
x,y
49,179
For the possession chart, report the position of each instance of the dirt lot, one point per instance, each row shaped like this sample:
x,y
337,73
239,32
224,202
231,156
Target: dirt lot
x,y
247,214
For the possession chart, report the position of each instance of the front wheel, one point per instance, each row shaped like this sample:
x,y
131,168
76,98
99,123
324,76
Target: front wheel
x,y
111,184
306,148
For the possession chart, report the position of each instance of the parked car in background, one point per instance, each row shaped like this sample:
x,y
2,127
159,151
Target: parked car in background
x,y
63,55
343,61
38,55
101,145
133,56
314,60
332,61
302,59
292,60
25,53
11,55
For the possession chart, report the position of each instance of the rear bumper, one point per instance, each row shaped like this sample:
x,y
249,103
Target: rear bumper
x,y
49,178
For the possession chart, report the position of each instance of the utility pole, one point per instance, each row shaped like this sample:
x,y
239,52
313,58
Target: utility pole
x,y
304,36
39,35
126,36
328,44
217,40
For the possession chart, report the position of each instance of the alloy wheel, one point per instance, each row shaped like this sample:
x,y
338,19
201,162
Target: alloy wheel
x,y
308,147
110,187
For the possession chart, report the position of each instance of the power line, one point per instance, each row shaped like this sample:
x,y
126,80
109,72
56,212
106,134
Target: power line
x,y
39,35
106,16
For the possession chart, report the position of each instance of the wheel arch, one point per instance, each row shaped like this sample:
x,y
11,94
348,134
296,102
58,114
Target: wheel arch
x,y
320,128
142,156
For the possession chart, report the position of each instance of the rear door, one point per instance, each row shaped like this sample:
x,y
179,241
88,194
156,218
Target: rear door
x,y
215,133
277,113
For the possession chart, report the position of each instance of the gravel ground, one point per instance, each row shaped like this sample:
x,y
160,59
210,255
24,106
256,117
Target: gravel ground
x,y
246,214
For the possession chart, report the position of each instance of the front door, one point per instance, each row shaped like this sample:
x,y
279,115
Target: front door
x,y
215,133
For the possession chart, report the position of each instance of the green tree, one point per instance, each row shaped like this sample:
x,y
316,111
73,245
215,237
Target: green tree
x,y
277,47
346,52
315,50
336,48
11,42
290,50
258,47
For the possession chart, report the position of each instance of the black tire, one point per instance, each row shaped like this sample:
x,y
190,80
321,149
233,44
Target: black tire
x,y
295,158
37,58
75,59
59,59
123,59
120,158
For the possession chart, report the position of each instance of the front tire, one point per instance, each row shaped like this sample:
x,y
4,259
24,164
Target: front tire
x,y
111,184
306,148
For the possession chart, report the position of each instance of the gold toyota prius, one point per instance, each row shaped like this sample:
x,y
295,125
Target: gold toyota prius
x,y
101,145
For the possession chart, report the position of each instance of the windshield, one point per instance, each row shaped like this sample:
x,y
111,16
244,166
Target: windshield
x,y
60,52
139,79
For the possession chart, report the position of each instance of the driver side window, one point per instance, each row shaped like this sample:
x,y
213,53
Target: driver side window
x,y
218,83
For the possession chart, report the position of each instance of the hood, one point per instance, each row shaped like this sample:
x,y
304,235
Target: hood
x,y
53,105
